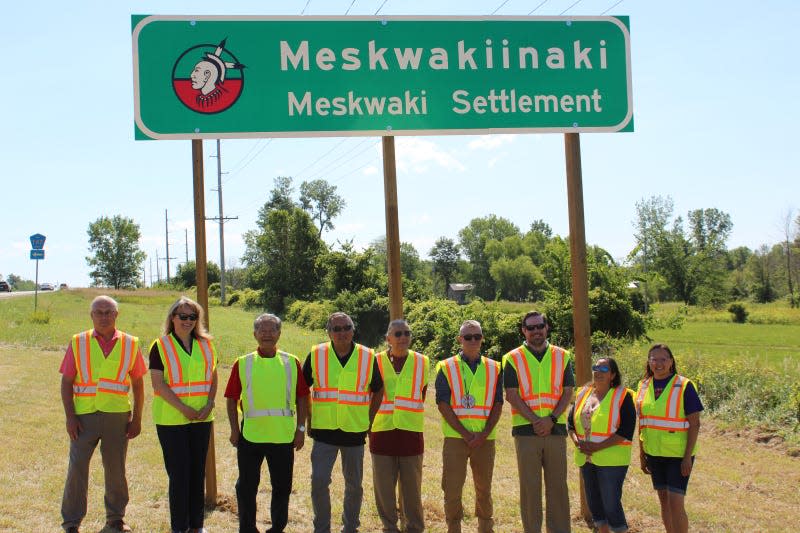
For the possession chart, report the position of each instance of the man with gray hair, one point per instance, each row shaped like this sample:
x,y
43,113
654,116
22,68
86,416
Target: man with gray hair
x,y
100,368
347,392
268,388
470,399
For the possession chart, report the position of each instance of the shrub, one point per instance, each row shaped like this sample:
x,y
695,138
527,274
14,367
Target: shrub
x,y
739,313
311,315
40,316
369,311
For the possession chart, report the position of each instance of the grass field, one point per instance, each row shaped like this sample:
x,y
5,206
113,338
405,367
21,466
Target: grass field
x,y
737,485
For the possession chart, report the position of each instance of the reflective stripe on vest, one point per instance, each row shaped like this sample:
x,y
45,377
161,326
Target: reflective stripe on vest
x,y
479,411
102,382
415,402
175,379
119,384
542,402
613,420
324,392
340,394
257,413
671,421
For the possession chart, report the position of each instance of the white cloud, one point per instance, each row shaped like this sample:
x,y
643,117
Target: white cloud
x,y
370,170
419,155
489,142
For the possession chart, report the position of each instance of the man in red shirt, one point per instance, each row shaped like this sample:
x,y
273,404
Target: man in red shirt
x,y
268,387
99,368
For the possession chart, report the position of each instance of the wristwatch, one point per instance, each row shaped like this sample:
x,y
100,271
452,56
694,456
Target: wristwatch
x,y
301,428
554,419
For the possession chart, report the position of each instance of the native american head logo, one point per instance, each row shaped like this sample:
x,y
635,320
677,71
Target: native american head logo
x,y
208,78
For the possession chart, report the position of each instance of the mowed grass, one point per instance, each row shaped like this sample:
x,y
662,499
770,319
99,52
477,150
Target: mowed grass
x,y
737,485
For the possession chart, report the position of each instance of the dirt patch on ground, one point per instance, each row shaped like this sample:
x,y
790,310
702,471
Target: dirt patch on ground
x,y
761,436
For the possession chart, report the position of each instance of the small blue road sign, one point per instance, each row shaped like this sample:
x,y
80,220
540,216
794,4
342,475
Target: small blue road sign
x,y
37,254
37,242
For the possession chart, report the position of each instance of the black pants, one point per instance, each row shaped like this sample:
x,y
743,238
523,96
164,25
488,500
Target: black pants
x,y
280,462
185,448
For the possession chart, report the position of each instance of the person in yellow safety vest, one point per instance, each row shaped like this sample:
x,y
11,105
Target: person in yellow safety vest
x,y
347,390
539,380
183,369
100,367
396,440
669,424
268,388
470,399
601,423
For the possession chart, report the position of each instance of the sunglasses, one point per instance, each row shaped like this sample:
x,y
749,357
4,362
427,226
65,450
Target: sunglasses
x,y
184,316
474,336
532,327
399,334
338,329
601,368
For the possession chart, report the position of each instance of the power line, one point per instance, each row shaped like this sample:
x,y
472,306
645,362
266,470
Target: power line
x,y
381,6
498,7
351,6
532,11
232,174
331,169
612,7
331,162
320,157
570,7
256,145
303,12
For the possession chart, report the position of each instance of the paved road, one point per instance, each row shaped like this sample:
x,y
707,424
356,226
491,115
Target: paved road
x,y
20,293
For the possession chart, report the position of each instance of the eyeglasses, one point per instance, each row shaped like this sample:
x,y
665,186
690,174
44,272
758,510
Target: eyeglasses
x,y
532,327
601,368
184,316
472,336
337,329
399,333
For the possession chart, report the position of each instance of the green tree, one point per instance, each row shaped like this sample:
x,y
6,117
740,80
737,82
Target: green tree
x,y
319,198
116,258
186,276
282,254
445,254
518,279
281,194
473,239
348,270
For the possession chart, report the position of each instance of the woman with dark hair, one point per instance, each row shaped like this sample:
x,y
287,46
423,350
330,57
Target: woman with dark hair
x,y
601,423
183,368
669,423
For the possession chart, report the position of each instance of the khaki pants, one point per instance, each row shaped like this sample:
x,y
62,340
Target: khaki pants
x,y
535,455
455,454
109,429
387,471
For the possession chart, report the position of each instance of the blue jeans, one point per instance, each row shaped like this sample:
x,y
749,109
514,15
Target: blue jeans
x,y
323,457
603,485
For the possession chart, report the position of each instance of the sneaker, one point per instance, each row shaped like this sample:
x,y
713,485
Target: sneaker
x,y
118,525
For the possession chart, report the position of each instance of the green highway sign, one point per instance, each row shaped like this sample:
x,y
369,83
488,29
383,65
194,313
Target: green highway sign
x,y
233,77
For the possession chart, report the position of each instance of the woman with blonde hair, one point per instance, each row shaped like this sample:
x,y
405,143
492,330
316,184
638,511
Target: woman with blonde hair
x,y
183,369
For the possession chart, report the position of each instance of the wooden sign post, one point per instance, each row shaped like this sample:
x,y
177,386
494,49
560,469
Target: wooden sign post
x,y
392,230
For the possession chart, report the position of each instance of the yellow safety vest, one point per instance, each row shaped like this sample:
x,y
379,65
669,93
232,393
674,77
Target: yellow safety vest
x,y
605,423
541,384
102,383
482,386
269,397
663,426
403,406
340,395
189,377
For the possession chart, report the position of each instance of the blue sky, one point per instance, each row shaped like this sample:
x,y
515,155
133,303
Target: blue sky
x,y
715,89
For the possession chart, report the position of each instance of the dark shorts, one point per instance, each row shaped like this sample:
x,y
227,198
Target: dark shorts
x,y
666,474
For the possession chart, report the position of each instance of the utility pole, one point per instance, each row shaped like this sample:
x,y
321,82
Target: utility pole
x,y
221,219
166,233
158,270
186,242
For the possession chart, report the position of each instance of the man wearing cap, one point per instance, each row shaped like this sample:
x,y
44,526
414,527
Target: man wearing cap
x,y
100,367
470,399
346,393
268,387
539,380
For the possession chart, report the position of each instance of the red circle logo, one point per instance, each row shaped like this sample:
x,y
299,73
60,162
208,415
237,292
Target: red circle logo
x,y
207,78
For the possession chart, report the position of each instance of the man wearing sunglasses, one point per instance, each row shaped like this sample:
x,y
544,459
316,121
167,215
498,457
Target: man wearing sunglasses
x,y
539,380
346,393
470,399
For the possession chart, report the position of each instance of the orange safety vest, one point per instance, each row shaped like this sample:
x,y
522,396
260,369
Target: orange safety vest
x,y
542,401
484,386
403,405
663,425
340,395
191,382
109,392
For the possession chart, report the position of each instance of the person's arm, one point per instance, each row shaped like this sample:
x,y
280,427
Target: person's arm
x,y
212,394
450,417
544,426
491,422
375,400
516,401
135,423
161,388
691,440
231,405
302,414
73,424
